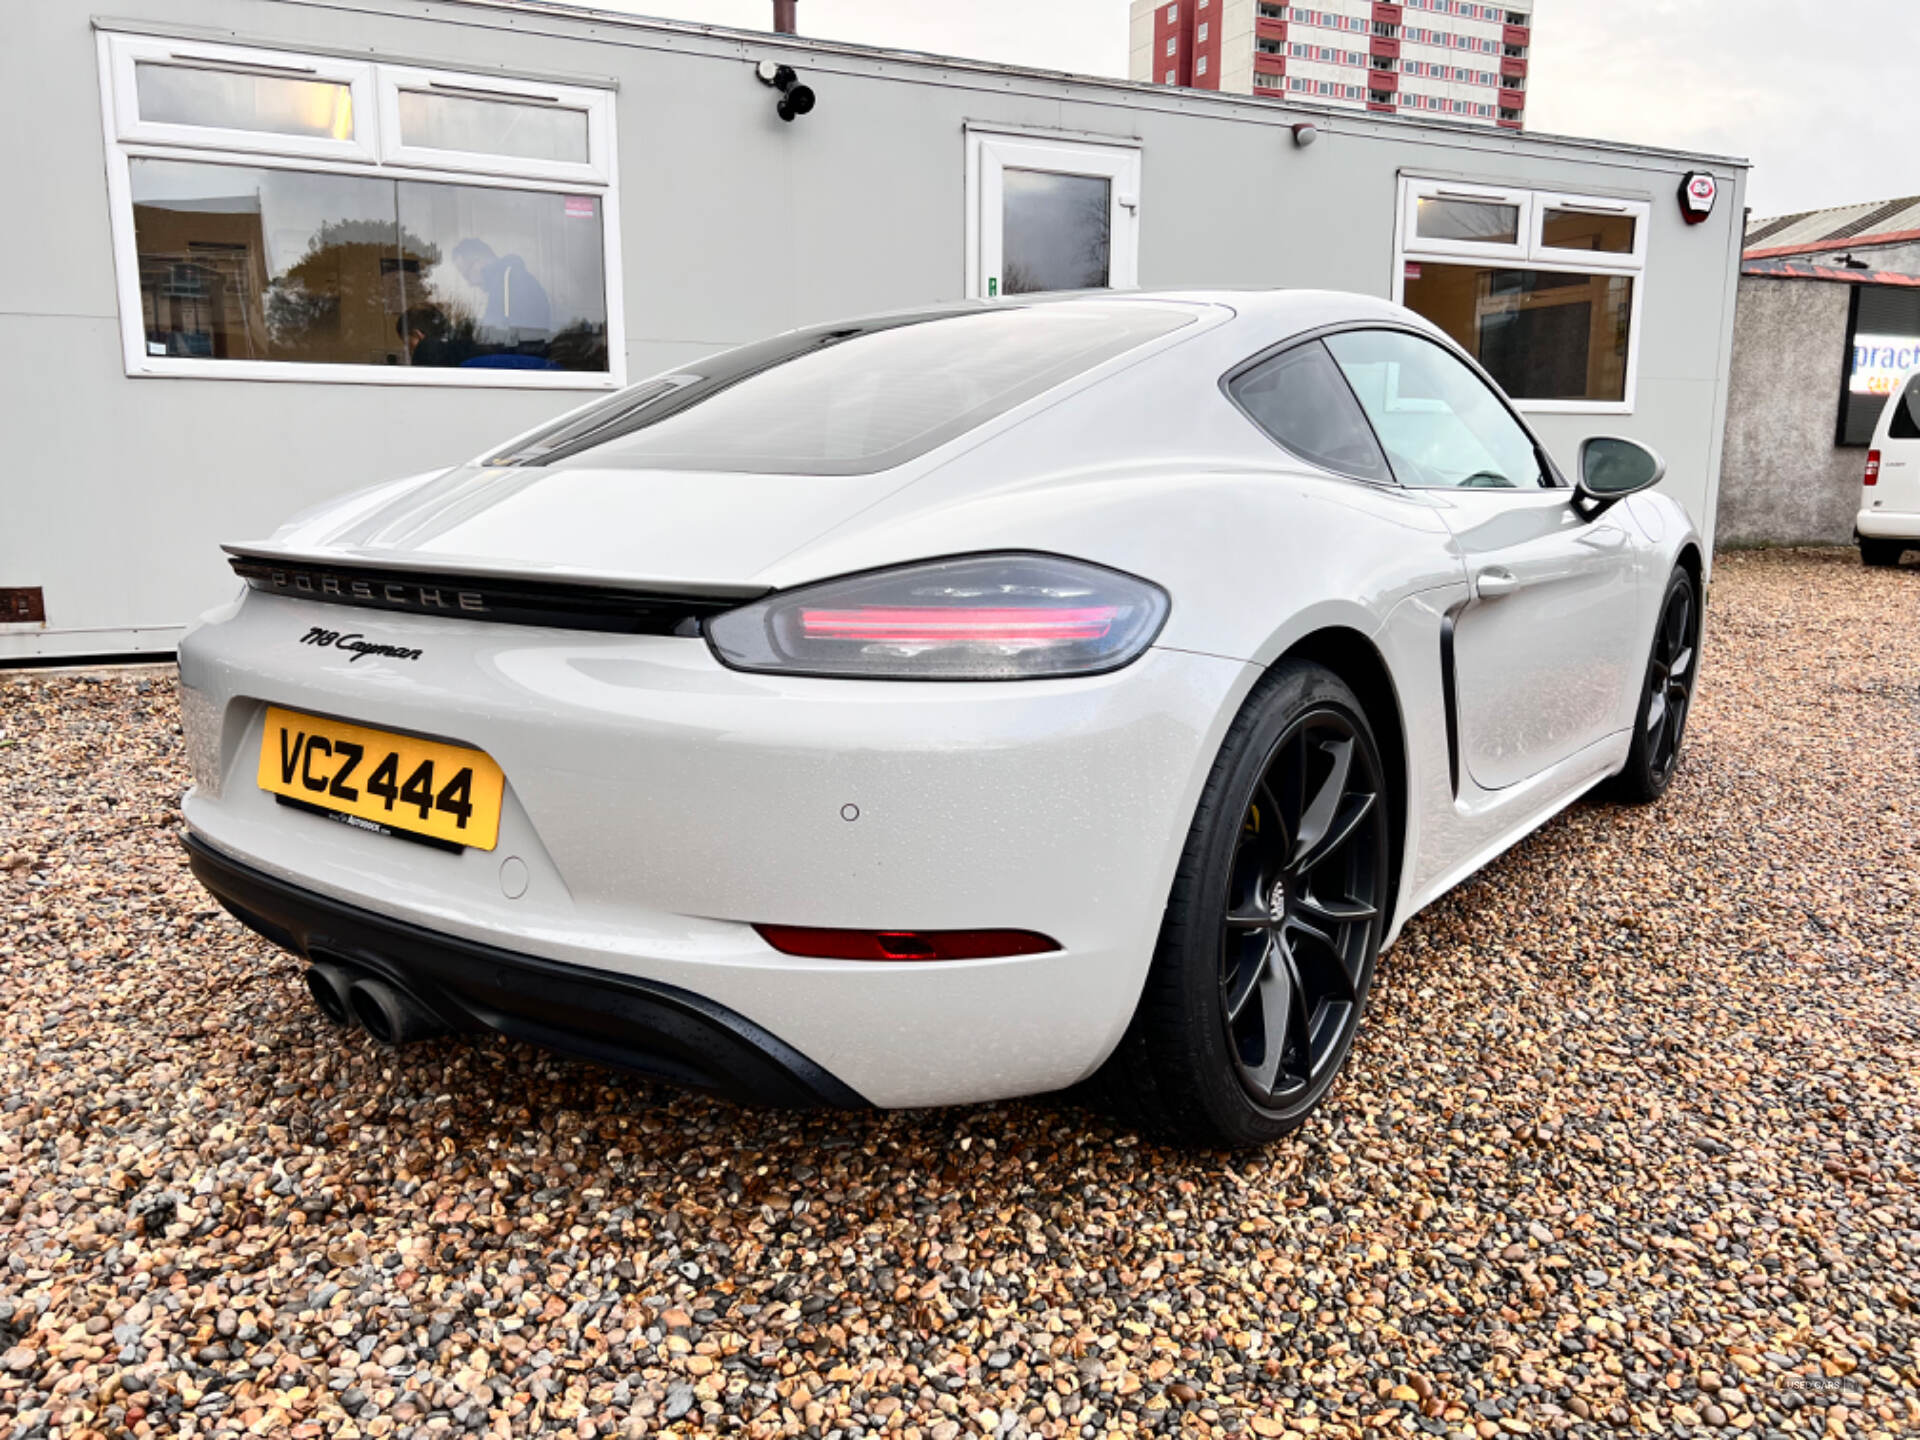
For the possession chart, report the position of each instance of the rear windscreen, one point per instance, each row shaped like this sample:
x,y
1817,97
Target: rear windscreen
x,y
850,399
1906,413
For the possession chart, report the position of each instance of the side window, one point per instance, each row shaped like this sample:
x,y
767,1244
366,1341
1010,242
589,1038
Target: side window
x,y
1299,399
1438,422
1905,424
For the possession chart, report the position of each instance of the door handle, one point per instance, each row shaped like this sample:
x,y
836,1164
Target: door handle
x,y
1495,581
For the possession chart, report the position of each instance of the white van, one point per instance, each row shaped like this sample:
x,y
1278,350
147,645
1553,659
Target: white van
x,y
1889,518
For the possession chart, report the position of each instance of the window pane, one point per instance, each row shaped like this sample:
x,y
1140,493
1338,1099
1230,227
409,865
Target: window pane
x,y
850,400
1300,400
236,100
251,263
1578,230
1485,221
523,129
255,263
507,279
1541,334
1054,231
1440,425
1884,338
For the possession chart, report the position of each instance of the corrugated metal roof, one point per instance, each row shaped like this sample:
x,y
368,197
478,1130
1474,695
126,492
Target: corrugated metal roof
x,y
1870,223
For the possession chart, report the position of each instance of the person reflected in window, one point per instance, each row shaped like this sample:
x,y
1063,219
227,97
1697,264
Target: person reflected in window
x,y
429,338
518,312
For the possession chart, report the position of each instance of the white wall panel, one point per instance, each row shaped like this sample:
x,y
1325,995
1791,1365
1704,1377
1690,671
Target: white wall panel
x,y
118,490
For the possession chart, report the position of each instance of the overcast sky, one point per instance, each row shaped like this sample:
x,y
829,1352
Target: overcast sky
x,y
1814,92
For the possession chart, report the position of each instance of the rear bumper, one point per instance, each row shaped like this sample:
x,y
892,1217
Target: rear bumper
x,y
1888,525
658,1030
658,806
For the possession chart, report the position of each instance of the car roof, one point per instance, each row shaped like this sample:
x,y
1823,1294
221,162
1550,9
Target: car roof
x,y
1278,312
1304,309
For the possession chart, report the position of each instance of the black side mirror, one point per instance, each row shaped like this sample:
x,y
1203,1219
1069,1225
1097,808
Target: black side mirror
x,y
1612,468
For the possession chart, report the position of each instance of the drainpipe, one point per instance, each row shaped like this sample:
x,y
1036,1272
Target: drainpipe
x,y
783,17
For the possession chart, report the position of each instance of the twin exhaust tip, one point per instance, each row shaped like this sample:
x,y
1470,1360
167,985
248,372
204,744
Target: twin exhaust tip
x,y
387,1013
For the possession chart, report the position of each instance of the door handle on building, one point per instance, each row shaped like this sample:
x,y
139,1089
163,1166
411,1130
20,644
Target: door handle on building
x,y
1495,581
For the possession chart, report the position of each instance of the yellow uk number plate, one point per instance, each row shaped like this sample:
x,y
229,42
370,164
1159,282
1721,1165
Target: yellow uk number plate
x,y
373,780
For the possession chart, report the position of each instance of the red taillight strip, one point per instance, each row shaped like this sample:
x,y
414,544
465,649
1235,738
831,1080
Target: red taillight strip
x,y
947,624
823,944
1873,468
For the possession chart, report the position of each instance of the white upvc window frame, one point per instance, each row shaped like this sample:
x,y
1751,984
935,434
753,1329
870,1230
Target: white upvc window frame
x,y
597,105
123,53
374,153
1529,253
991,152
1416,244
1615,261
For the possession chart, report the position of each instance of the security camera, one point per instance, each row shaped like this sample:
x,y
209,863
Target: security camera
x,y
798,101
795,98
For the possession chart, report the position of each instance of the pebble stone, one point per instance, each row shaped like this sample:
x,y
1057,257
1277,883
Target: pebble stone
x,y
1627,1146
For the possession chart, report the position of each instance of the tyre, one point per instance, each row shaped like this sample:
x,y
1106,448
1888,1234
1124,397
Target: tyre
x,y
1666,696
1267,948
1882,552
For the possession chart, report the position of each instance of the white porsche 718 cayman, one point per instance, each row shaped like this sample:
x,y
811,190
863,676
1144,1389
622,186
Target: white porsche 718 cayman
x,y
944,706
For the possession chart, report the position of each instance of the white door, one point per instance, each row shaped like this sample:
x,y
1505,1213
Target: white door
x,y
1546,651
1046,214
1546,648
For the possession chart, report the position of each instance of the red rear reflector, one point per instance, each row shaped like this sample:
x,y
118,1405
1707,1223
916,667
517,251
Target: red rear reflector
x,y
949,625
822,944
1873,468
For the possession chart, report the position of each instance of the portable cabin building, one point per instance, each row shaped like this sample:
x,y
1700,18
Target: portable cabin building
x,y
262,252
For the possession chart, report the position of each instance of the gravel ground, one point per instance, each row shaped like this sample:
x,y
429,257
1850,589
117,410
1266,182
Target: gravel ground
x,y
1628,1144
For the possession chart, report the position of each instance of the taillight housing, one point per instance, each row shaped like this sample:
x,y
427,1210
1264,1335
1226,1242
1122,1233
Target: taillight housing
x,y
976,617
820,944
1873,468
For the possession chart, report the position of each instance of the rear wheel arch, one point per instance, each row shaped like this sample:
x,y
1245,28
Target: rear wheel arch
x,y
1358,662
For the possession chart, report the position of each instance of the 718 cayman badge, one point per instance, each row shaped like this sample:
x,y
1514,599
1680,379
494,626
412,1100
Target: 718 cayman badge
x,y
357,643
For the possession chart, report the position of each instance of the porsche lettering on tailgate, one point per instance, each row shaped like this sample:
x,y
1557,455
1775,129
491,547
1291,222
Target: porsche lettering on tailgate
x,y
375,780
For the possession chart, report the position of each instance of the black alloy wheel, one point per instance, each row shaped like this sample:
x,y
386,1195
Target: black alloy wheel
x,y
1276,914
1303,896
1660,724
1670,685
